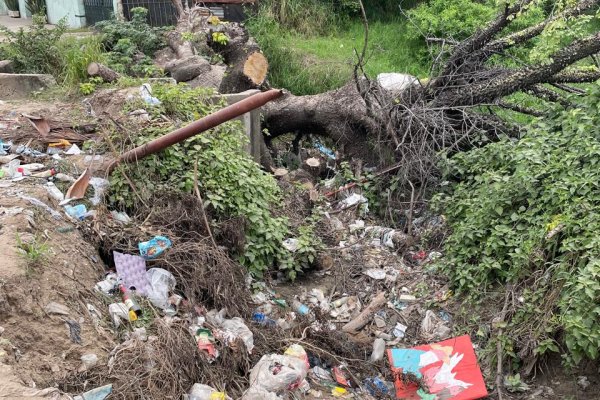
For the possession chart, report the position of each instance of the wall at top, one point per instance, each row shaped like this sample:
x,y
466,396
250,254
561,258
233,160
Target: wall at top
x,y
3,9
72,9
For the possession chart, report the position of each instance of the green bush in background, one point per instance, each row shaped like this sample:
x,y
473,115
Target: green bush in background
x,y
527,214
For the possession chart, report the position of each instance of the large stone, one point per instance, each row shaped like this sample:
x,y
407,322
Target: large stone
x,y
7,66
19,86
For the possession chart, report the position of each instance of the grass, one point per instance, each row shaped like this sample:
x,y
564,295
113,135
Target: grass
x,y
34,253
308,64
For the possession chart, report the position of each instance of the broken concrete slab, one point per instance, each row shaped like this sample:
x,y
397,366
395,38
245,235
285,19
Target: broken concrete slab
x,y
7,66
19,86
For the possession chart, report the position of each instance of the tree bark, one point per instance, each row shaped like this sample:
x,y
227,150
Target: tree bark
x,y
184,70
107,74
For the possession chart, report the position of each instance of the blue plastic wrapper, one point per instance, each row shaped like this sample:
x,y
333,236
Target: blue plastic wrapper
x,y
377,387
154,247
78,212
262,319
326,151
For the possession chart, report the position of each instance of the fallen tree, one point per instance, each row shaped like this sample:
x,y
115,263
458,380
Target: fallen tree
x,y
381,122
457,108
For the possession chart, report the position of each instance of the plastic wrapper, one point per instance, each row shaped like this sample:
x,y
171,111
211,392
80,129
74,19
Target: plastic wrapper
x,y
154,247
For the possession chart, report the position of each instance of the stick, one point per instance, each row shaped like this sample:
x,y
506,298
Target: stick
x,y
206,224
499,345
365,316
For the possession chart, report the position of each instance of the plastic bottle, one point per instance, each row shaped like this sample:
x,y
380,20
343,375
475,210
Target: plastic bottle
x,y
300,308
134,309
55,192
378,350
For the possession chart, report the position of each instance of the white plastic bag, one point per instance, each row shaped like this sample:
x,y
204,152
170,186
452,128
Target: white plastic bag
x,y
291,368
235,328
161,283
205,392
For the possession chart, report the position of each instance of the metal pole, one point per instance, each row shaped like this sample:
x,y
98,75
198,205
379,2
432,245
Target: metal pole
x,y
202,125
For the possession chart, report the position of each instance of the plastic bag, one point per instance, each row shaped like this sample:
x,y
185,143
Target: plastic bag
x,y
99,185
161,283
205,392
235,328
278,373
259,393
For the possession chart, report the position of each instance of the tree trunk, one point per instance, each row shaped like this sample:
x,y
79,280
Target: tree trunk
x,y
107,74
184,70
247,67
339,114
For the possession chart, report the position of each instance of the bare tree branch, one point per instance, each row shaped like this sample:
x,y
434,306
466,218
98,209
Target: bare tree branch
x,y
535,30
575,76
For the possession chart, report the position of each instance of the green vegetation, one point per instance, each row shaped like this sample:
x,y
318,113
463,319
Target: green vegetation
x,y
526,214
35,253
36,7
132,43
35,50
232,183
309,64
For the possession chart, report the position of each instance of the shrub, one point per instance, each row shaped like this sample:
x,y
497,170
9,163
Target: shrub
x,y
132,43
36,7
35,50
144,37
526,213
455,19
232,183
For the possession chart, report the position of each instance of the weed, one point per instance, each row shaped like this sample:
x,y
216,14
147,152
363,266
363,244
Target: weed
x,y
310,64
35,253
76,55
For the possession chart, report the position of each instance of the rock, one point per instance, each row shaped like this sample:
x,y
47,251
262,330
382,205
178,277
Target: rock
x,y
1,330
56,308
583,382
19,86
55,368
6,67
541,392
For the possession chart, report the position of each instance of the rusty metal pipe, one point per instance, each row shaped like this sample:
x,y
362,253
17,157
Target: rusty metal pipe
x,y
202,125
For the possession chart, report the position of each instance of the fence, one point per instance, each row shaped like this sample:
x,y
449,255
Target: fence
x,y
163,13
97,10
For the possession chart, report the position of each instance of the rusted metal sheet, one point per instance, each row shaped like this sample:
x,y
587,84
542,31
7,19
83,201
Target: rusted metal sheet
x,y
210,121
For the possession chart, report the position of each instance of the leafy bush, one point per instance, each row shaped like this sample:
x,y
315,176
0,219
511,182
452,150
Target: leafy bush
x,y
12,5
456,19
132,43
527,213
35,50
144,37
36,7
232,183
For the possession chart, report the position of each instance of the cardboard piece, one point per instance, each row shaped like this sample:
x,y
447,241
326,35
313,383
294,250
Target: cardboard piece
x,y
448,369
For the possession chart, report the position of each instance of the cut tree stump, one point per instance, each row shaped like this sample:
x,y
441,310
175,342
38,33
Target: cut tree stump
x,y
107,74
